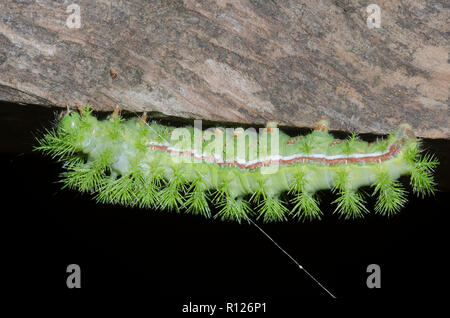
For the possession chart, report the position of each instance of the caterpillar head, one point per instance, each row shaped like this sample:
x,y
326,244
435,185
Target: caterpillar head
x,y
70,123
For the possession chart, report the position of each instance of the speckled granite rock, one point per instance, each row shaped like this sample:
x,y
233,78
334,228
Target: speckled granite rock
x,y
245,61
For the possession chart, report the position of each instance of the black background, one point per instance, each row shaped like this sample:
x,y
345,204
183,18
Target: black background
x,y
168,259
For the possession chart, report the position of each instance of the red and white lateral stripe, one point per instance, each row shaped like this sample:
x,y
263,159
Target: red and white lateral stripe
x,y
374,157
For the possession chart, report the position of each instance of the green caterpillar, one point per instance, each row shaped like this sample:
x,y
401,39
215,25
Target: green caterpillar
x,y
268,174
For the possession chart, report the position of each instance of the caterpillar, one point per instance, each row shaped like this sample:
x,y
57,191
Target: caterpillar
x,y
243,173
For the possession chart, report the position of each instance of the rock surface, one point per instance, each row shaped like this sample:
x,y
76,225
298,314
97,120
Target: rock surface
x,y
245,61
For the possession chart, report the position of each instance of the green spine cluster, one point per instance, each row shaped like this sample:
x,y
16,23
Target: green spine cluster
x,y
112,159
